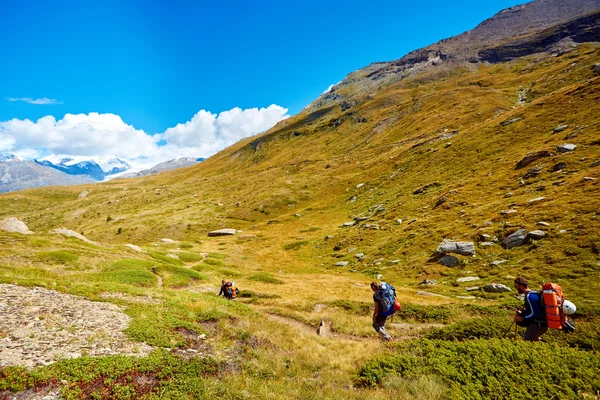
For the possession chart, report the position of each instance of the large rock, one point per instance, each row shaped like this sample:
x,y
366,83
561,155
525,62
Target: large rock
x,y
528,159
567,147
13,224
496,288
134,247
468,279
450,261
450,246
70,233
222,232
515,239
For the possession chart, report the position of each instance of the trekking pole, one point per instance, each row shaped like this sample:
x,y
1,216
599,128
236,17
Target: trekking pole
x,y
508,330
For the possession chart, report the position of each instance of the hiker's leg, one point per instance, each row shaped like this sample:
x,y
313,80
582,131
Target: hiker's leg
x,y
379,326
534,331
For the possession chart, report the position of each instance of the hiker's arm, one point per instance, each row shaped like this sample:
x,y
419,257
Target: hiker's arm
x,y
375,311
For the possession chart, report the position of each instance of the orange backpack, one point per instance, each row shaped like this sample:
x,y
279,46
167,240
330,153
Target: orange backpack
x,y
553,298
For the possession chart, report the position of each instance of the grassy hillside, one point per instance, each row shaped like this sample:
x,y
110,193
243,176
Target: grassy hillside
x,y
438,151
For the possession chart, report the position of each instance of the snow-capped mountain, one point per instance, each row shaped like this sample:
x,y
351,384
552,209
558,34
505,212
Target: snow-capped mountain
x,y
97,168
175,163
18,174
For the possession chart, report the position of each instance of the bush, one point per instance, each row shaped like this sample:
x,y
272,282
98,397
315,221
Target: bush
x,y
477,328
295,245
492,369
211,261
186,256
132,272
167,260
185,245
265,278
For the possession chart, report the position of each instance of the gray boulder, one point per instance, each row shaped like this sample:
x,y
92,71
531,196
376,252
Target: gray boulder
x,y
450,261
428,282
13,224
496,288
450,246
468,279
70,233
349,223
516,239
341,264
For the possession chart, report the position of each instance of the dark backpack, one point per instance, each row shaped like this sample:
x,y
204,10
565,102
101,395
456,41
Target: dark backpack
x,y
385,297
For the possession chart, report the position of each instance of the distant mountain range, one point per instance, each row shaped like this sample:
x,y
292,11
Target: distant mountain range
x,y
19,174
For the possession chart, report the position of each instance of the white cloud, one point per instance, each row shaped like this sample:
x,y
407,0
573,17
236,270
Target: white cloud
x,y
41,101
93,135
328,88
209,133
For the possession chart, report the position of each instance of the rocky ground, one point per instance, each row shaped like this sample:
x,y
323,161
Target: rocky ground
x,y
39,326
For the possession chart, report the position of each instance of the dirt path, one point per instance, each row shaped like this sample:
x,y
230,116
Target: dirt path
x,y
399,331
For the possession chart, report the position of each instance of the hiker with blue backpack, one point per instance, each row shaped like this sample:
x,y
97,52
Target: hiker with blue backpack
x,y
384,297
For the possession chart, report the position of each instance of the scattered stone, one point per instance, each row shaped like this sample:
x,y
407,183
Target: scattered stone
x,y
588,178
515,239
341,264
528,159
371,226
486,244
466,297
472,288
428,186
536,200
169,241
565,148
560,128
359,255
507,212
536,235
450,261
134,247
84,194
70,233
348,224
450,246
496,288
353,199
13,224
511,121
467,279
441,201
532,172
398,221
558,167
222,232
507,195
328,237
542,223
173,256
595,164
428,282
296,215
360,185
497,262
429,294
361,218
596,68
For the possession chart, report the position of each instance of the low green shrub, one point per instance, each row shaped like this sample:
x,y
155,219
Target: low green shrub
x,y
265,277
491,369
476,328
58,257
185,245
217,256
253,295
174,276
132,272
213,262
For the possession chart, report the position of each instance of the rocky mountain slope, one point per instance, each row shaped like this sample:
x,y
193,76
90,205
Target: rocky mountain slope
x,y
17,174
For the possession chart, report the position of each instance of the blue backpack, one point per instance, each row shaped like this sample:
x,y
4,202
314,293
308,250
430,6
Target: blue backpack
x,y
385,296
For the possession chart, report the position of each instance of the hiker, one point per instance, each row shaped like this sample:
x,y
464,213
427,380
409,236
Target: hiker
x,y
384,296
228,290
530,316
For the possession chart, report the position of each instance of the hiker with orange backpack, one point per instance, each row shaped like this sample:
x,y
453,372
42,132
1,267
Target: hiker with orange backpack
x,y
544,309
530,316
386,304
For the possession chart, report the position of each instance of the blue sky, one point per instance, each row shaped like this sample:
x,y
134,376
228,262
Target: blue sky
x,y
156,66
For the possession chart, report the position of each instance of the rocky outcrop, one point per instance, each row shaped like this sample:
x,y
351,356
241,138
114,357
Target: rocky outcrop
x,y
450,261
43,326
528,159
450,246
70,233
496,288
13,224
515,239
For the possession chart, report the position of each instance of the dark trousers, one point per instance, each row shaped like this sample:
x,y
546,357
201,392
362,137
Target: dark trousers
x,y
379,326
534,331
